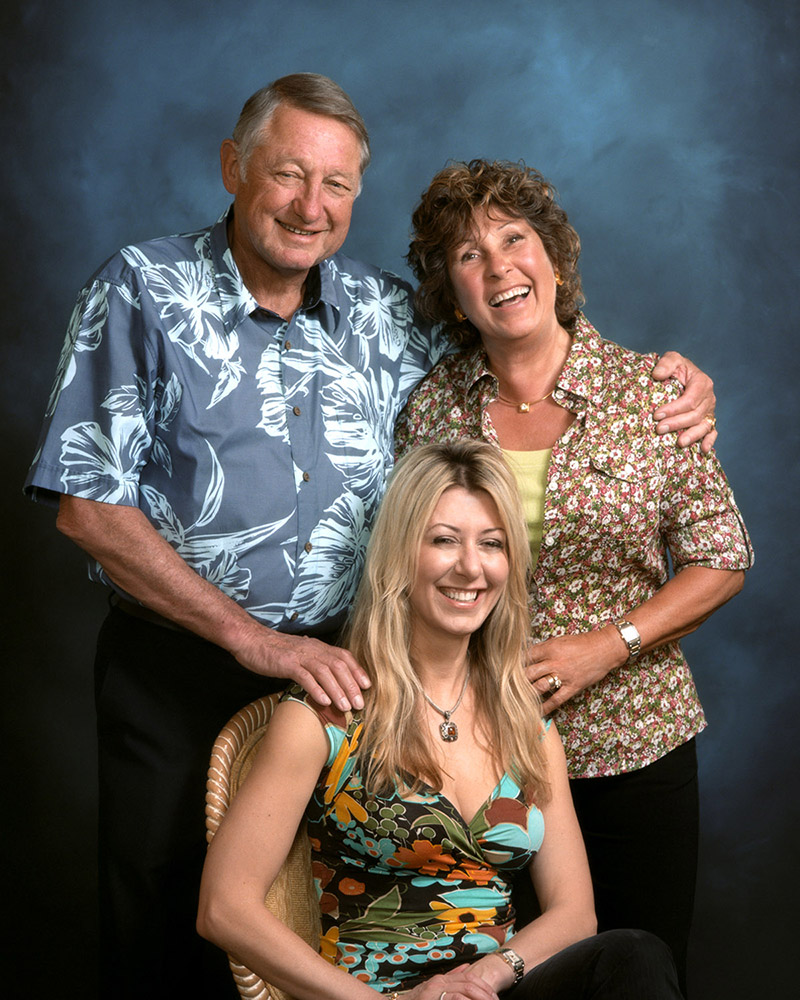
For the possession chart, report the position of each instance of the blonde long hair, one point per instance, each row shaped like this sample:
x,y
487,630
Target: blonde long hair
x,y
394,747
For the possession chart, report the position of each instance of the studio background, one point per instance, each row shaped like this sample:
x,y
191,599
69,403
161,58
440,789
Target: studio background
x,y
670,129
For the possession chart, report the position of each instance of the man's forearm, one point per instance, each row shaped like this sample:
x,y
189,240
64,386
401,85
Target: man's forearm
x,y
136,557
145,565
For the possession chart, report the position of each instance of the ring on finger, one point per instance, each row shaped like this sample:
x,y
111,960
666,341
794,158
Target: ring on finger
x,y
553,683
441,995
711,420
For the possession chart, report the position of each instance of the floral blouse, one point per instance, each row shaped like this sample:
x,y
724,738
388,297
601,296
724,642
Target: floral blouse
x,y
407,888
619,497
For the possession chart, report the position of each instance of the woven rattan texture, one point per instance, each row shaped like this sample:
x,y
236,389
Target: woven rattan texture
x,y
292,897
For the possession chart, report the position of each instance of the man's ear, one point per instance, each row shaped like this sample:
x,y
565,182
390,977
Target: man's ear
x,y
229,163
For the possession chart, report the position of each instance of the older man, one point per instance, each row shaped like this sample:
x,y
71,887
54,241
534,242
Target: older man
x,y
217,439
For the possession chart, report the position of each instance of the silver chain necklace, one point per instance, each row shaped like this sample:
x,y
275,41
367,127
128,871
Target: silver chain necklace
x,y
448,730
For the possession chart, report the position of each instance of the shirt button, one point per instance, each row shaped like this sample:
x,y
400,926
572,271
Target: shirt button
x,y
287,346
306,477
296,411
295,616
308,546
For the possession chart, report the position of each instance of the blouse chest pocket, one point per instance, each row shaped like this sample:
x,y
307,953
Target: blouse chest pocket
x,y
624,463
624,475
623,446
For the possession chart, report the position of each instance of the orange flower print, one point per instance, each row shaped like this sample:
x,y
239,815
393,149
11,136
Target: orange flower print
x,y
328,945
475,873
336,772
424,856
351,887
346,809
457,919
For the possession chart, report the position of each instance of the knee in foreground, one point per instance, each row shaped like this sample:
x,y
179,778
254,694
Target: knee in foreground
x,y
636,949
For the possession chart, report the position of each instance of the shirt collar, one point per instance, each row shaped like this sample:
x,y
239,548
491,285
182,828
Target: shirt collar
x,y
321,286
582,375
477,370
236,300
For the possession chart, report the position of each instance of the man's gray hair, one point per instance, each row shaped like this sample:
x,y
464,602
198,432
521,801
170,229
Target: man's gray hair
x,y
310,92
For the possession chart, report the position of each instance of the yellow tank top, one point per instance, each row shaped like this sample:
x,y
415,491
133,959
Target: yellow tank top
x,y
530,471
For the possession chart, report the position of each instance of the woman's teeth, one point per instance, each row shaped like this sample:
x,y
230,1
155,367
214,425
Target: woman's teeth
x,y
513,293
461,595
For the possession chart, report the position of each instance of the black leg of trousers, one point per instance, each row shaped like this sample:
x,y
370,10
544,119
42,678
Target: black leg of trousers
x,y
616,965
162,697
641,834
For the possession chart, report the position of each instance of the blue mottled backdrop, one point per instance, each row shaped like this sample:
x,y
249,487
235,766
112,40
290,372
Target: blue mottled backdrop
x,y
670,128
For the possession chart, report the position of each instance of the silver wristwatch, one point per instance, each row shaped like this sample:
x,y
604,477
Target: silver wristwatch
x,y
630,636
516,963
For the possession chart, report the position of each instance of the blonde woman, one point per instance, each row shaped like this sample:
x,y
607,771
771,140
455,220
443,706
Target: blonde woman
x,y
422,808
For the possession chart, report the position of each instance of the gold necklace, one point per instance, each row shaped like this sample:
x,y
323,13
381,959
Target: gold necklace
x,y
524,407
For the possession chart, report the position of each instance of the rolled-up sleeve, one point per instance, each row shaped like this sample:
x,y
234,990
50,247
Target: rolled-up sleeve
x,y
700,520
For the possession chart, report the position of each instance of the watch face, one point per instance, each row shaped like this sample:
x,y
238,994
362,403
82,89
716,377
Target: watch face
x,y
515,962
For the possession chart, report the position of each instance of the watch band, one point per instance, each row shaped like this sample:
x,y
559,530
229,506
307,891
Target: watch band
x,y
630,636
516,963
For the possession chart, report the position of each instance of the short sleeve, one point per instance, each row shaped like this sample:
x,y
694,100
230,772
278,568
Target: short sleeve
x,y
699,517
99,424
425,347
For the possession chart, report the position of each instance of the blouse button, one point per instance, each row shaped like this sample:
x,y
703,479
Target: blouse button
x,y
308,546
296,411
288,345
306,477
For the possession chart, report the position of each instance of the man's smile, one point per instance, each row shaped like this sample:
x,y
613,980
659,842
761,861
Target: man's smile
x,y
298,232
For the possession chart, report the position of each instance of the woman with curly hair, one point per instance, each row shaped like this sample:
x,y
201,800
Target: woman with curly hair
x,y
606,499
423,807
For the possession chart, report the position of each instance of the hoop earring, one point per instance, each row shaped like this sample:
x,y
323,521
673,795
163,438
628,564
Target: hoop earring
x,y
559,279
460,316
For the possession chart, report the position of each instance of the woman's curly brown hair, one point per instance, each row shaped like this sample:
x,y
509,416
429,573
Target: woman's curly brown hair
x,y
444,219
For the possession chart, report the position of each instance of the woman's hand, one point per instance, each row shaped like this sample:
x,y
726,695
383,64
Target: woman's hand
x,y
692,413
461,983
576,660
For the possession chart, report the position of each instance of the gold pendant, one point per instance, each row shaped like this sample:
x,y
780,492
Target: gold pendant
x,y
524,408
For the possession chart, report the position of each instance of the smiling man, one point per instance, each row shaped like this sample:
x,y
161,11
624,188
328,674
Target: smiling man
x,y
217,440
294,196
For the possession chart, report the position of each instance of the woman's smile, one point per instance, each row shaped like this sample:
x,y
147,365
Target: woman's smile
x,y
462,567
518,293
503,279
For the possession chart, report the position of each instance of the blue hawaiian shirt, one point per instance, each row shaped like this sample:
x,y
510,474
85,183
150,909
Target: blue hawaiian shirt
x,y
259,448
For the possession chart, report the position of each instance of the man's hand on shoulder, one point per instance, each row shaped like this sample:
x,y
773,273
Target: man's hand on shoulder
x,y
692,413
329,674
146,566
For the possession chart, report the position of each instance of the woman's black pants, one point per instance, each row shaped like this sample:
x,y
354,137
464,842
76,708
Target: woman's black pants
x,y
616,965
641,834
